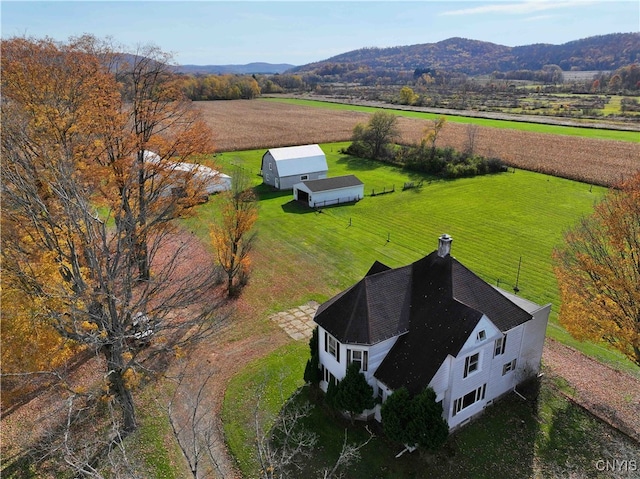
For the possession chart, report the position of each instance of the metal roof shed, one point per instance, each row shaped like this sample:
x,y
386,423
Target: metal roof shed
x,y
329,191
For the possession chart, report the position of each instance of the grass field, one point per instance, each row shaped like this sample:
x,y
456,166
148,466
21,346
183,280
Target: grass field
x,y
495,221
499,223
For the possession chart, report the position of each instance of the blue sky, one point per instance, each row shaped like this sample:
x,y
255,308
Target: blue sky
x,y
299,32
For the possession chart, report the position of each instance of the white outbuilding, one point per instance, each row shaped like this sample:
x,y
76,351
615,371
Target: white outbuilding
x,y
212,180
329,191
284,167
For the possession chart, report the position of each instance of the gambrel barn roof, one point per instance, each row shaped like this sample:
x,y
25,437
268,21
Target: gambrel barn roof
x,y
298,160
433,305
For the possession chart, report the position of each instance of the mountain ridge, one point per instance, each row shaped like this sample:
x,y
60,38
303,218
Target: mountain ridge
x,y
242,69
472,57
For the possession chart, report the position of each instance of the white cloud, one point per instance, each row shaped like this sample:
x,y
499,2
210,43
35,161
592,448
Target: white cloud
x,y
521,8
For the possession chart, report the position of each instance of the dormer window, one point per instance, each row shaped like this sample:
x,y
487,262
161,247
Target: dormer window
x,y
482,335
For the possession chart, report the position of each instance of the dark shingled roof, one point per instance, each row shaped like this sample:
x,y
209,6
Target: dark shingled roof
x,y
436,301
334,183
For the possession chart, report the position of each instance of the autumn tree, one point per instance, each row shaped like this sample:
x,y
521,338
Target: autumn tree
x,y
432,132
598,271
233,235
408,96
91,244
371,140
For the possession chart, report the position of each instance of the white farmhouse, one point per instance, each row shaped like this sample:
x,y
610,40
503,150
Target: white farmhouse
x,y
284,167
329,191
432,323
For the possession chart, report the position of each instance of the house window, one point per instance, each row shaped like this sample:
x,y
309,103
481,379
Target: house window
x,y
500,345
270,166
329,378
471,364
332,346
510,366
360,357
469,399
304,177
482,335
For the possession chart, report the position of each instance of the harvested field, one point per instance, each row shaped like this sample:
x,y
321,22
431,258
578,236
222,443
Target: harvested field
x,y
253,124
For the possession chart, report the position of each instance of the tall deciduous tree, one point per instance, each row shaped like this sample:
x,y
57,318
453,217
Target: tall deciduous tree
x,y
432,132
93,243
598,271
233,236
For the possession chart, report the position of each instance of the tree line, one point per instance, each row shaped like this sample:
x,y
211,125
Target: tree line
x,y
93,144
376,140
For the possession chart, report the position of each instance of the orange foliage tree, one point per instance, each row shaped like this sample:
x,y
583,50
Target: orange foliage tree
x,y
598,271
232,236
87,219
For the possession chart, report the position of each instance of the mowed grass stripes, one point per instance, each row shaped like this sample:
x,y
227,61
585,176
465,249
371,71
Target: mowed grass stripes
x,y
505,228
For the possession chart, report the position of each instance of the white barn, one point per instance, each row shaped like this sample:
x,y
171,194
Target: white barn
x,y
329,191
432,323
284,167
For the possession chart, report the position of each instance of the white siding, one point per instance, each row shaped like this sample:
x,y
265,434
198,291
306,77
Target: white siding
x,y
288,182
440,380
533,342
460,385
500,383
376,354
331,197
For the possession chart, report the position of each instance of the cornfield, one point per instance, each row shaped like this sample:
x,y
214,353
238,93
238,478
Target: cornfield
x,y
246,124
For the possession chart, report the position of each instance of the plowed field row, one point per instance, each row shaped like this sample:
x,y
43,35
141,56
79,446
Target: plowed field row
x,y
246,124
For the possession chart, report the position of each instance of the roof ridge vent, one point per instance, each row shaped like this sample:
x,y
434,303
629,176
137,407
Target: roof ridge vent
x,y
444,245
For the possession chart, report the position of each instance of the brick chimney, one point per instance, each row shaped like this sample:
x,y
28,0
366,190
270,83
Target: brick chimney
x,y
444,245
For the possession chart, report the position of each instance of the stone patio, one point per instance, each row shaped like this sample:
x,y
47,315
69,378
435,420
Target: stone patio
x,y
297,322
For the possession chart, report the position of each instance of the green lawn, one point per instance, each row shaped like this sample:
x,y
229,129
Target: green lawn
x,y
496,222
598,133
499,223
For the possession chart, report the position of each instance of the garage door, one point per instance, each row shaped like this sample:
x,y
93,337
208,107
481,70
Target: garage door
x,y
303,197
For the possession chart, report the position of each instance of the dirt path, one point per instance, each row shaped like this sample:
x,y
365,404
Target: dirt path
x,y
611,395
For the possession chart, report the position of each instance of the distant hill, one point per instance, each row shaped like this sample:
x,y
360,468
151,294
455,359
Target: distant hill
x,y
247,69
473,57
